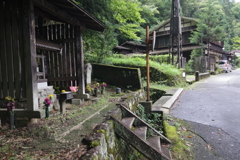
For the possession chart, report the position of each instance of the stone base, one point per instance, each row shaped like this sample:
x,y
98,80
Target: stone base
x,y
77,101
82,96
147,105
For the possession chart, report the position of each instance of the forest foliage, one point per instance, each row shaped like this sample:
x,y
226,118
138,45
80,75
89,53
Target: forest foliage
x,y
125,20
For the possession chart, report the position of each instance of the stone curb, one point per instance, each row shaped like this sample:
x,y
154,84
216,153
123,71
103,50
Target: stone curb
x,y
166,106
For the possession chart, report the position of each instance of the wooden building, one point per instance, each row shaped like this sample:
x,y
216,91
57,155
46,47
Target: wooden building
x,y
135,47
188,25
122,50
41,47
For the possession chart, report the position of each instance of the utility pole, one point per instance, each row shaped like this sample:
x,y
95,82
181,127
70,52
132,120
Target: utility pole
x,y
147,63
149,41
175,47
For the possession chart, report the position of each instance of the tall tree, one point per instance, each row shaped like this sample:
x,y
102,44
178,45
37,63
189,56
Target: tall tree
x,y
128,17
189,8
210,25
236,22
236,43
228,19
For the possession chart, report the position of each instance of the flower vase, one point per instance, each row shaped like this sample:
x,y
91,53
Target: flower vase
x,y
11,120
95,92
102,90
46,111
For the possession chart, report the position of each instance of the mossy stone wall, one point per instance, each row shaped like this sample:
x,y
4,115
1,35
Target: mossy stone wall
x,y
155,74
117,76
105,144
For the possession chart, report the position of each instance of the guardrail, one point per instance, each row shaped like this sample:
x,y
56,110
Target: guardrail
x,y
199,76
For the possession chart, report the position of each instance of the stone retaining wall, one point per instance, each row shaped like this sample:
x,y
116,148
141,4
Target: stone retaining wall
x,y
105,144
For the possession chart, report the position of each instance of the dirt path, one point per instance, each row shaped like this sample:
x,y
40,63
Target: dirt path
x,y
58,137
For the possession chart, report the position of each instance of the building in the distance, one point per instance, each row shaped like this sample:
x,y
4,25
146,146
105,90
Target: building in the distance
x,y
216,51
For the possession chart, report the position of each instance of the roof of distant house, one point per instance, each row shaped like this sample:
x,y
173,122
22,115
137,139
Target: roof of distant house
x,y
121,47
133,43
235,51
168,21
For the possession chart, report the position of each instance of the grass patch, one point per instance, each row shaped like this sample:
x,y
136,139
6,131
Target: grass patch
x,y
167,69
176,132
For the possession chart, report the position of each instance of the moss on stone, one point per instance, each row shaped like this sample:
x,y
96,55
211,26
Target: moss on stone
x,y
102,131
171,132
95,143
177,145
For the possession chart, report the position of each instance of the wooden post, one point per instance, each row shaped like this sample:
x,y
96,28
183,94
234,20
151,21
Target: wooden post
x,y
3,55
147,63
80,60
29,47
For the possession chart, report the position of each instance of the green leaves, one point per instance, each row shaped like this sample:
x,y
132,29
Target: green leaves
x,y
125,10
210,26
129,29
127,14
236,43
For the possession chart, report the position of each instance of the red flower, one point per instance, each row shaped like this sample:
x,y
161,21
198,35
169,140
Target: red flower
x,y
47,102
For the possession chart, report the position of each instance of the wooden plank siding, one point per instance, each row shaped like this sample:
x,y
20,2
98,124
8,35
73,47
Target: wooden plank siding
x,y
61,68
11,52
3,59
18,53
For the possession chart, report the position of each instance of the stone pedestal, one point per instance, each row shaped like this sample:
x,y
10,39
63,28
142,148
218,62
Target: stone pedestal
x,y
88,68
147,106
79,99
44,92
83,96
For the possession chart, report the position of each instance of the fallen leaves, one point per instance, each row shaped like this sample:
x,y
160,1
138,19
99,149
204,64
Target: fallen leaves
x,y
209,147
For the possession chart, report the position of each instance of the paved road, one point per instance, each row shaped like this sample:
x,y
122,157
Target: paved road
x,y
214,104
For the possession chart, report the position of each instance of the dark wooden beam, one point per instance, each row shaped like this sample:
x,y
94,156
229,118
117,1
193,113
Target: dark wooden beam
x,y
41,14
46,16
48,7
80,60
29,47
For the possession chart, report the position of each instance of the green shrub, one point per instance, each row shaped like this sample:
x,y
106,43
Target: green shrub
x,y
155,58
158,72
152,119
189,70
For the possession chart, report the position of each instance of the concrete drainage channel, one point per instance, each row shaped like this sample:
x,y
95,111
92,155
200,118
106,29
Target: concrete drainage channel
x,y
166,101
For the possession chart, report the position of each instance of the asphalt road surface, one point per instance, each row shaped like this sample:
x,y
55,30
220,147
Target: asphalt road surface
x,y
213,107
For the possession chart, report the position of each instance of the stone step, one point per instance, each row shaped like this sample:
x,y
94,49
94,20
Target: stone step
x,y
141,131
128,121
156,107
170,92
154,141
166,151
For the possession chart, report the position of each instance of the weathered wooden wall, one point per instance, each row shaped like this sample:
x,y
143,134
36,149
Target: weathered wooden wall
x,y
12,74
61,69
